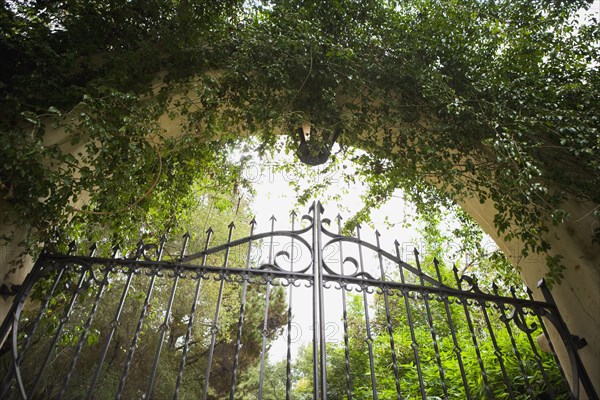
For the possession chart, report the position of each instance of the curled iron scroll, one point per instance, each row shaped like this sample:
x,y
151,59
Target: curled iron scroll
x,y
286,254
472,282
517,315
147,249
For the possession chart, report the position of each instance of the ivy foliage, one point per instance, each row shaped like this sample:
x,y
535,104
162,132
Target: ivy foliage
x,y
526,379
496,100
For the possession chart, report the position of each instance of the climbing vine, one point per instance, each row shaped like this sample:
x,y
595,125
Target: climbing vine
x,y
496,100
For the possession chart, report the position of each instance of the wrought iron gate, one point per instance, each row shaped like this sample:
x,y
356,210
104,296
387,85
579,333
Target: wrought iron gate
x,y
206,325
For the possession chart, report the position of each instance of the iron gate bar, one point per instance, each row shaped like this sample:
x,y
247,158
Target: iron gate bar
x,y
214,327
431,327
238,341
315,310
345,319
190,324
265,331
545,333
474,338
61,325
388,320
414,344
139,325
506,320
457,350
88,322
317,209
165,325
11,322
147,259
113,326
369,338
578,369
18,359
497,350
288,358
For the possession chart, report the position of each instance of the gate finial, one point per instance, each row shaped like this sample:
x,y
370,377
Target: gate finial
x,y
93,248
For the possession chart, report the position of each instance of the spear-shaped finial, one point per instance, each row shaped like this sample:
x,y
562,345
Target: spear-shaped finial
x,y
513,291
320,206
186,238
377,236
316,206
138,248
116,249
231,227
400,262
495,288
161,246
456,277
436,265
338,218
93,248
357,227
209,233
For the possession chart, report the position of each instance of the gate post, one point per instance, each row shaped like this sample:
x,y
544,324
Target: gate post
x,y
319,356
572,344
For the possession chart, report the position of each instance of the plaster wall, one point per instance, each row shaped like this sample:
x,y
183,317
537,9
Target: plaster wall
x,y
9,273
14,267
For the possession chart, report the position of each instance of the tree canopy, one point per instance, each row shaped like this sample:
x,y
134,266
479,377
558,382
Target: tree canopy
x,y
451,99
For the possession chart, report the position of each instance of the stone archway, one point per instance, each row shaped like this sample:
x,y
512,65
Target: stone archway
x,y
313,66
577,296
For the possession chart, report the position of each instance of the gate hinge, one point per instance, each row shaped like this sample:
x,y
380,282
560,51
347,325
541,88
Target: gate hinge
x,y
9,290
579,341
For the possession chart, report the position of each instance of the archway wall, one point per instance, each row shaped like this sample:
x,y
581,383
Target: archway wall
x,y
578,294
14,263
